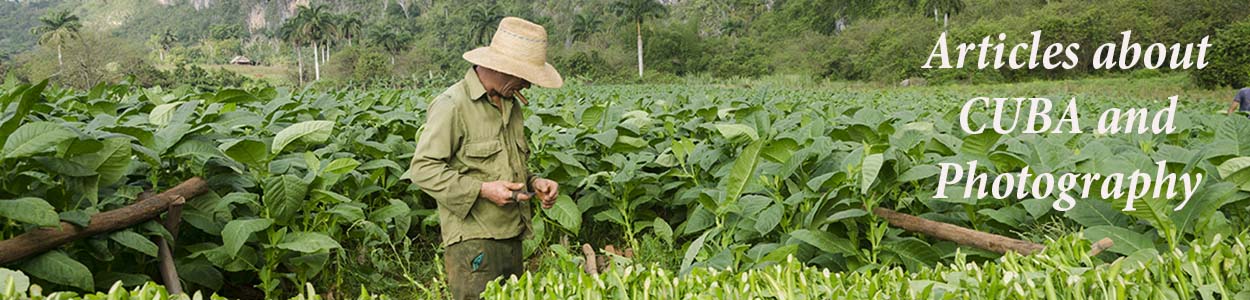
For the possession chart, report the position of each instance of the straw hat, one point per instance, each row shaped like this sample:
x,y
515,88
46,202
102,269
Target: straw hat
x,y
519,48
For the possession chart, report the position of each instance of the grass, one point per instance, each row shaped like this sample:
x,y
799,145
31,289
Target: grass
x,y
276,74
273,74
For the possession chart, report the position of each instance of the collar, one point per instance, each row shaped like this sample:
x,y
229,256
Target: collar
x,y
473,85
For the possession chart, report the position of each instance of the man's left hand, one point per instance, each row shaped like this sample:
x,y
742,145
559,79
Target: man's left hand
x,y
547,190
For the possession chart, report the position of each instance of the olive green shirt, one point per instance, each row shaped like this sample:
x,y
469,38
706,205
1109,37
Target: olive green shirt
x,y
466,141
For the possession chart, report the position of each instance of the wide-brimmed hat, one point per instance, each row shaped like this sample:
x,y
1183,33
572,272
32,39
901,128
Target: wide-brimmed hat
x,y
519,48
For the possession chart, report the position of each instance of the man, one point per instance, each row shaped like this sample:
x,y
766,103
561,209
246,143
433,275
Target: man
x,y
471,158
1242,100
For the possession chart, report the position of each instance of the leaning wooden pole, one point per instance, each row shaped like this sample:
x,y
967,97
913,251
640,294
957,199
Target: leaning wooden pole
x,y
169,272
959,235
44,239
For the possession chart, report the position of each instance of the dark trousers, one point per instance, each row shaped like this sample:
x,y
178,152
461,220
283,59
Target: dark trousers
x,y
471,264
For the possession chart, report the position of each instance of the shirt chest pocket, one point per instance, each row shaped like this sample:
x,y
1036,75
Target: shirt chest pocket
x,y
524,148
484,159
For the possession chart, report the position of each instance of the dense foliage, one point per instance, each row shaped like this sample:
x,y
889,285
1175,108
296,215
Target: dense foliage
x,y
308,186
290,180
418,43
1229,58
1211,269
1205,269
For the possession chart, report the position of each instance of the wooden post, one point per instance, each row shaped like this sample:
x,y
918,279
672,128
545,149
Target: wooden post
x,y
44,239
169,272
959,235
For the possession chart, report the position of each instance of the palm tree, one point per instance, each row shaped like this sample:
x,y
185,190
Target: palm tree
x,y
316,25
57,27
289,32
166,41
583,26
944,8
483,17
349,27
638,11
391,40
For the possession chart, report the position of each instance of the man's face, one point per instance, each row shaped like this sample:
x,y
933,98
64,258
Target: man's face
x,y
512,85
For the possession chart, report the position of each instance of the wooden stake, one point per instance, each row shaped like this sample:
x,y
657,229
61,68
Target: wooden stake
x,y
959,235
169,272
44,239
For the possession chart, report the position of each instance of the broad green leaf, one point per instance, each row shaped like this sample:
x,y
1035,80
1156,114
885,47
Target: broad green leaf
x,y
162,114
30,210
308,131
341,166
768,219
64,167
79,217
955,194
591,115
565,213
846,214
135,241
1205,202
312,162
742,172
693,250
56,267
1152,210
200,272
917,173
753,204
663,230
1038,207
682,149
1011,215
110,162
610,215
825,241
348,212
1236,130
307,242
387,213
914,253
283,197
1125,241
35,137
237,232
568,160
979,145
325,196
1094,212
168,136
868,174
735,132
1236,171
780,150
248,151
699,220
607,138
29,96
234,96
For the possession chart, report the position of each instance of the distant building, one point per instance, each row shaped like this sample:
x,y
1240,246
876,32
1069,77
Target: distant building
x,y
242,60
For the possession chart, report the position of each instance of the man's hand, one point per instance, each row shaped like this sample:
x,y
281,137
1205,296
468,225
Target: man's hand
x,y
500,192
547,190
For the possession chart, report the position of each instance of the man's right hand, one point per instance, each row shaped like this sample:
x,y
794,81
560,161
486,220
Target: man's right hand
x,y
500,192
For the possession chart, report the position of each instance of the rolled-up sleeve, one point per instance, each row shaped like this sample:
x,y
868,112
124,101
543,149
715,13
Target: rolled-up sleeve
x,y
431,163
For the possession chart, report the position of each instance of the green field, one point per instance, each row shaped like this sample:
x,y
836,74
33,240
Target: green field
x,y
769,181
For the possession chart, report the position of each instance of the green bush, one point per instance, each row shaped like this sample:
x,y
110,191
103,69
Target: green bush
x,y
1206,269
588,64
1229,58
